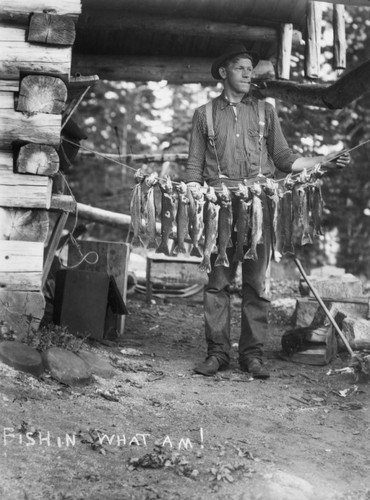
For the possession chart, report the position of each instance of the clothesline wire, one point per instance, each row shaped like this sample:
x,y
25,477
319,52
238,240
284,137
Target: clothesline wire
x,y
290,176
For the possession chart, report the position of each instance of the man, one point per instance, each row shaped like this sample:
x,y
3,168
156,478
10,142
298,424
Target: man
x,y
241,149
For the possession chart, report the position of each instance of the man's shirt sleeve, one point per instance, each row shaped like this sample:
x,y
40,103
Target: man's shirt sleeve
x,y
197,149
277,146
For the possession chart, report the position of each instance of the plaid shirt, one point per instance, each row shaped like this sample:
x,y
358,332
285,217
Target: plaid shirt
x,y
237,143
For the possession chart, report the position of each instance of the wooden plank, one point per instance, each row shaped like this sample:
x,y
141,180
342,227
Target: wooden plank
x,y
285,51
17,55
53,245
51,29
22,311
42,94
25,191
313,39
175,271
173,69
339,30
23,225
20,11
6,161
38,159
7,100
18,127
113,259
21,264
105,20
9,85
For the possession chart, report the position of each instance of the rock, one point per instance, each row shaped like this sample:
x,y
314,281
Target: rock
x,y
306,309
284,308
21,357
98,365
327,271
66,367
281,486
357,332
335,287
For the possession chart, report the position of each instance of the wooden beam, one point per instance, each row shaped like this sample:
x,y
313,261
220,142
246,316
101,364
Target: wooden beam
x,y
38,159
21,264
19,11
346,89
143,69
51,29
116,21
19,128
18,56
53,245
285,51
42,94
313,39
339,30
25,191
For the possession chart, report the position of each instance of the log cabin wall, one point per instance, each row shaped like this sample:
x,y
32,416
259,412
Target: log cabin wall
x,y
35,62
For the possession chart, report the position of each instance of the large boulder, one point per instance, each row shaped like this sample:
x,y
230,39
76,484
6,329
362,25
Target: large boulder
x,y
21,357
66,367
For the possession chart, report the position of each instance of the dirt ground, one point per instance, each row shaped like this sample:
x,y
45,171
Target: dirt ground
x,y
171,434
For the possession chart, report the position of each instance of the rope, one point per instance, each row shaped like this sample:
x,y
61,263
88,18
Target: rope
x,y
71,237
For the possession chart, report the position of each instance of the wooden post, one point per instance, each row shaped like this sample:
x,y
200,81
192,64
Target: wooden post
x,y
339,30
285,51
313,39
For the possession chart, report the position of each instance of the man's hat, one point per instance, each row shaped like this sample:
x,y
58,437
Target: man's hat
x,y
232,50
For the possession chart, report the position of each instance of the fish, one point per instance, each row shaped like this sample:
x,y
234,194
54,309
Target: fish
x,y
149,211
181,218
286,222
316,208
167,214
257,223
196,224
225,222
211,212
242,221
272,192
304,215
136,209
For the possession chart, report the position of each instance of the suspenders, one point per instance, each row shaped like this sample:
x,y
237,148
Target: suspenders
x,y
211,132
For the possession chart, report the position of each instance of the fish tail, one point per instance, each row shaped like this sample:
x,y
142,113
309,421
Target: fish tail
x,y
205,265
195,252
222,260
163,248
288,248
178,248
306,239
137,241
251,254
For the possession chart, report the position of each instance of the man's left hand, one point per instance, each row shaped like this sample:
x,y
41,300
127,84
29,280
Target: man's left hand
x,y
340,162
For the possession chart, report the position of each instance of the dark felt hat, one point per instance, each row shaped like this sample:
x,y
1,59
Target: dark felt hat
x,y
232,50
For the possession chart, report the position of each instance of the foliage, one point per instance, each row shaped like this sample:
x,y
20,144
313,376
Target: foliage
x,y
121,117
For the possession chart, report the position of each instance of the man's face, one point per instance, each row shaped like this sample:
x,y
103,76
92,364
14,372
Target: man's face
x,y
237,74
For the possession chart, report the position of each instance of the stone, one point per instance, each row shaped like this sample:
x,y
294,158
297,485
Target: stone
x,y
98,365
357,332
335,287
284,308
307,307
280,486
327,271
66,367
21,357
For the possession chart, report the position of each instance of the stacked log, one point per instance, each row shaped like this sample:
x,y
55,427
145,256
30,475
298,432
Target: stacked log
x,y
35,62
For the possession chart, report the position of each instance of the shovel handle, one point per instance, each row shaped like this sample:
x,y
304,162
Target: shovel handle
x,y
326,310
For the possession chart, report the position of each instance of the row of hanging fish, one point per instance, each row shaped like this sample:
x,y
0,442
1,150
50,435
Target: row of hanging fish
x,y
210,217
